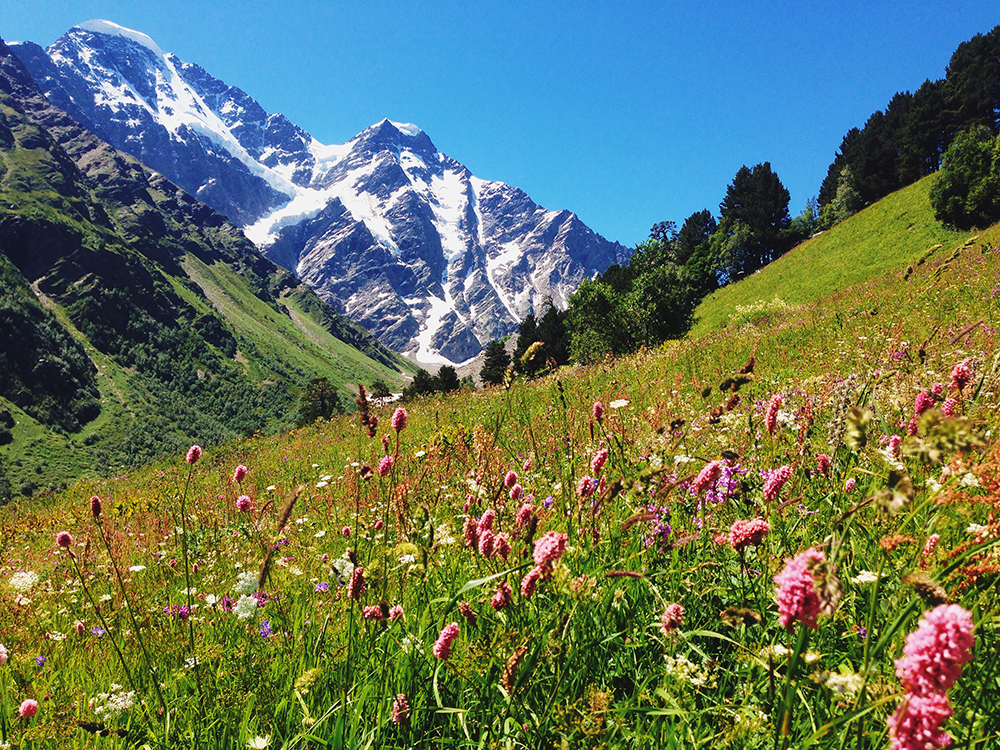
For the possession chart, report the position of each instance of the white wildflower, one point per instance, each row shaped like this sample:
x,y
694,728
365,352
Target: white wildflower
x,y
443,535
863,577
246,583
845,685
245,607
618,403
23,581
136,568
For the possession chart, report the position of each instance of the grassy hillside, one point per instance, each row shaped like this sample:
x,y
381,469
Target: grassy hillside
x,y
633,608
893,234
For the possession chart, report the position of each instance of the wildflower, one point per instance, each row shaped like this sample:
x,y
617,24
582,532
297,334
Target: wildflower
x,y
399,419
586,486
797,596
240,473
530,582
743,534
672,618
400,709
246,583
322,586
849,484
823,462
357,586
523,515
385,465
486,521
619,403
598,461
486,543
936,651
516,492
526,466
193,454
95,506
510,479
373,612
28,708
549,549
468,613
863,577
916,725
948,407
259,743
961,374
396,613
707,476
501,545
40,660
775,481
502,597
922,403
597,411
4,654
771,417
930,544
265,628
346,531
470,530
63,539
98,631
244,608
442,646
244,504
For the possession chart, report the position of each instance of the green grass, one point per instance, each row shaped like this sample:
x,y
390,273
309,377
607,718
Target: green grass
x,y
586,662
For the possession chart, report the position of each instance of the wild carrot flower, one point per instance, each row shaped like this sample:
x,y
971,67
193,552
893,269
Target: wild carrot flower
x,y
442,646
240,473
672,618
64,539
385,465
244,504
598,461
510,479
400,709
961,374
95,506
775,481
771,416
597,411
743,534
356,588
399,419
936,651
916,725
28,708
193,454
502,597
797,597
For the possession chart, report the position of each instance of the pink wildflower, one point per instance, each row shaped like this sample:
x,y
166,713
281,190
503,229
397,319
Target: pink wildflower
x,y
548,550
672,618
775,481
849,484
373,612
526,466
486,520
586,486
598,461
193,454
516,492
28,708
937,389
346,531
64,539
385,465
80,628
948,407
378,524
95,506
797,597
442,646
932,542
510,479
743,534
502,597
708,476
922,403
961,374
523,515
244,504
530,582
916,725
771,418
399,419
501,545
468,613
486,538
240,473
823,462
913,426
597,411
400,709
936,651
894,443
396,613
356,588
471,532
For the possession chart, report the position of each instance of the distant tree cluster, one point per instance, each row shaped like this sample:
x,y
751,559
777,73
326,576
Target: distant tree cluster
x,y
907,140
425,384
967,194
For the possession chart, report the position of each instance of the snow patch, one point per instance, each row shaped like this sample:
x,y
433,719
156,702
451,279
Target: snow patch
x,y
406,128
100,26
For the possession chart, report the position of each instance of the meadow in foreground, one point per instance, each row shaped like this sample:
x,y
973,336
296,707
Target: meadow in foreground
x,y
783,534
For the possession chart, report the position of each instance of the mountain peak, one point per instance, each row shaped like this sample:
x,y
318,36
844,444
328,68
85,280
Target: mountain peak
x,y
100,26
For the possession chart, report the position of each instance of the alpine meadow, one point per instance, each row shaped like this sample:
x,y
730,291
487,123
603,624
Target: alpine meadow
x,y
738,487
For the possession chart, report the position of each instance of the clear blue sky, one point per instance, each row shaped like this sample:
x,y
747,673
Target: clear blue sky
x,y
627,113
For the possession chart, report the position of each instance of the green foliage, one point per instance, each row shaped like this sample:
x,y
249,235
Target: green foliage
x,y
967,193
753,223
495,363
319,401
379,389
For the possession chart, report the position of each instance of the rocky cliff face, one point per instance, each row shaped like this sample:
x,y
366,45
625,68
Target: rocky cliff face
x,y
400,237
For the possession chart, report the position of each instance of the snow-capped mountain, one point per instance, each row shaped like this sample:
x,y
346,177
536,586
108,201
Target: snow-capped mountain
x,y
403,239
